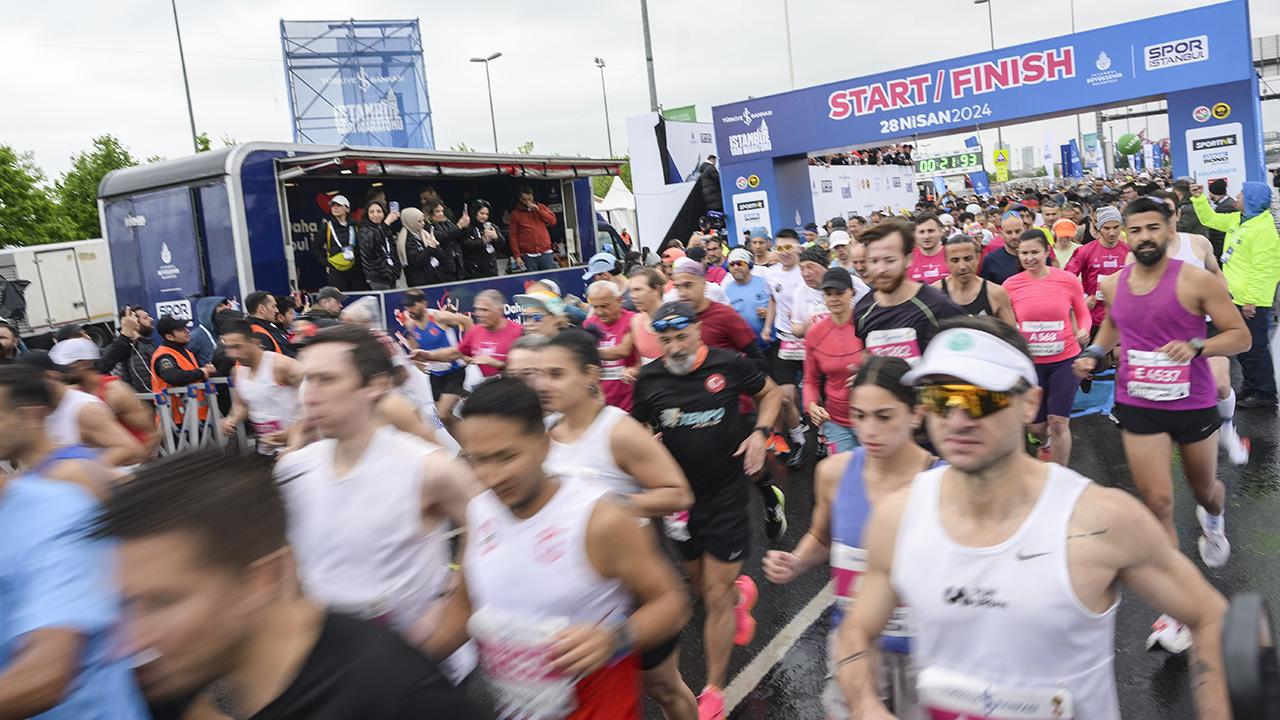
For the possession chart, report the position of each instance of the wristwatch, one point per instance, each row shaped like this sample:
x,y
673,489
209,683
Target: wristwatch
x,y
765,432
1197,344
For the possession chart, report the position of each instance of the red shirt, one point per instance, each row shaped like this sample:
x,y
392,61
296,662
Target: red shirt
x,y
716,274
617,392
527,230
928,269
724,328
1091,262
480,341
829,350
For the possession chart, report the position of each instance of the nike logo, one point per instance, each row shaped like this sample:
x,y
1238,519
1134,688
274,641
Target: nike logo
x,y
734,555
1030,556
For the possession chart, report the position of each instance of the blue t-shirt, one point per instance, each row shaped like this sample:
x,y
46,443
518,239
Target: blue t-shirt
x,y
745,298
53,576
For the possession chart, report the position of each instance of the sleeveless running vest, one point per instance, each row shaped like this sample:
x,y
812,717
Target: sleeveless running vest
x,y
1186,253
1001,627
591,455
1149,379
272,407
433,337
528,579
981,305
63,424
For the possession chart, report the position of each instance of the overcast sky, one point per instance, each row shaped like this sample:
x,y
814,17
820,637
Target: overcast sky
x,y
76,69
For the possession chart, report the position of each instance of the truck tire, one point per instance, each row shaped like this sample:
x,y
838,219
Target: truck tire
x,y
100,334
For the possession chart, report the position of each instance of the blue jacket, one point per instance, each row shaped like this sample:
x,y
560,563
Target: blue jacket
x,y
204,337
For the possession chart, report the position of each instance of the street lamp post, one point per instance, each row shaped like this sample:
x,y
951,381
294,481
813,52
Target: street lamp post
x,y
182,60
493,123
605,93
991,29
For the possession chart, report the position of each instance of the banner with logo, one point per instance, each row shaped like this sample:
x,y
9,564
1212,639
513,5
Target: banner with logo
x,y
357,82
1093,155
1073,167
1000,160
846,190
977,178
688,113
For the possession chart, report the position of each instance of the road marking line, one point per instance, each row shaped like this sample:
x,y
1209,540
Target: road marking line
x,y
764,661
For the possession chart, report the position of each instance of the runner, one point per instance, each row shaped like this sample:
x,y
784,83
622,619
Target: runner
x,y
601,443
369,506
264,389
522,358
59,609
841,247
902,315
559,588
208,578
617,346
847,485
858,260
691,397
748,292
437,334
486,344
1164,388
832,352
1098,259
1022,559
786,351
928,260
646,292
975,295
80,419
1064,241
79,358
1052,315
809,303
762,251
1000,264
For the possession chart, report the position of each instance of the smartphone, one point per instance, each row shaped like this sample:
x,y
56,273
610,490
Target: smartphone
x,y
395,206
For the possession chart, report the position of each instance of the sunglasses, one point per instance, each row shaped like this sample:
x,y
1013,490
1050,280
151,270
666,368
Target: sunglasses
x,y
676,322
975,401
533,317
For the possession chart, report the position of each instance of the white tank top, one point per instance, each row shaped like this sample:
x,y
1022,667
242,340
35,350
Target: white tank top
x,y
63,424
1001,626
359,539
272,407
529,579
591,455
1186,253
417,390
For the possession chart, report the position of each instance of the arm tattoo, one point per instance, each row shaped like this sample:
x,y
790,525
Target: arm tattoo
x,y
1095,533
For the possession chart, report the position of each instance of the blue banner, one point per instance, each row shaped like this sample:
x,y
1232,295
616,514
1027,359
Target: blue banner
x,y
977,179
357,82
1090,69
1074,167
939,186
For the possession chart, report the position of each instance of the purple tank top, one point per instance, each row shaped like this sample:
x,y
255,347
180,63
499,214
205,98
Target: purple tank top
x,y
1144,377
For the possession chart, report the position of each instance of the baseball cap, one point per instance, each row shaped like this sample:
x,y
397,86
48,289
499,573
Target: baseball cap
x,y
74,350
976,357
672,254
675,309
836,278
946,219
688,266
1064,227
811,227
741,255
340,200
168,323
973,208
551,287
541,301
839,237
1218,186
601,262
330,292
696,253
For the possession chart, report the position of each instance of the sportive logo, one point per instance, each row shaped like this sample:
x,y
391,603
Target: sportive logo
x,y
1212,143
715,383
756,141
746,117
1200,114
1176,52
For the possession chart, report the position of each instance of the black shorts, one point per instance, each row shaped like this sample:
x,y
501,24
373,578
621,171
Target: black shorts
x,y
449,383
1184,426
783,372
723,532
654,656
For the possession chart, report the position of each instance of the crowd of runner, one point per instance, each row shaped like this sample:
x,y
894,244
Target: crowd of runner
x,y
479,517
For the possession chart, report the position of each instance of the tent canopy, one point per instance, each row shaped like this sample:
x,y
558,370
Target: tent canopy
x,y
618,197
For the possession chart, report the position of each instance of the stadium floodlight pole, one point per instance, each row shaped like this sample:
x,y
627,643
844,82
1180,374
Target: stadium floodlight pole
x,y
182,60
608,131
648,55
991,29
493,122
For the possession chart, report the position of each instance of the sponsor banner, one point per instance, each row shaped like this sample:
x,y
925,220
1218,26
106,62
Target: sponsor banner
x,y
860,189
751,212
1217,151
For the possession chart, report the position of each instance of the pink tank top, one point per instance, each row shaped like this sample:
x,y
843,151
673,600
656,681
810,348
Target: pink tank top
x,y
646,342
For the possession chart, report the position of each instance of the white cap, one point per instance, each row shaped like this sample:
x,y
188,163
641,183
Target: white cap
x,y
839,237
975,357
946,219
340,200
74,350
973,208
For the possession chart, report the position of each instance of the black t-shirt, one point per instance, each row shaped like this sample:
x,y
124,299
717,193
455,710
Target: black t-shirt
x,y
698,417
922,313
360,670
999,266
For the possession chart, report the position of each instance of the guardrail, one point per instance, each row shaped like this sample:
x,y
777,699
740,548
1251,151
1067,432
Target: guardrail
x,y
193,432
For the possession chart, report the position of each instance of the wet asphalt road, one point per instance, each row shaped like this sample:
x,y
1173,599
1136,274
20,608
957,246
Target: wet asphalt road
x,y
1151,685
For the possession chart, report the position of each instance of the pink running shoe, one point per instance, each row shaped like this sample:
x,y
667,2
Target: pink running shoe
x,y
744,626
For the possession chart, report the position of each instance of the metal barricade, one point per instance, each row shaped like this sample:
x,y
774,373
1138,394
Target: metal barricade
x,y
193,432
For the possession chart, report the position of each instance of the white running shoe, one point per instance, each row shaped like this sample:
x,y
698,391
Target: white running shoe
x,y
1169,635
1214,548
1237,448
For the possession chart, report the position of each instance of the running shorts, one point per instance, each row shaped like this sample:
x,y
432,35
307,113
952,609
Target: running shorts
x,y
1059,385
895,681
449,383
723,532
1184,426
783,372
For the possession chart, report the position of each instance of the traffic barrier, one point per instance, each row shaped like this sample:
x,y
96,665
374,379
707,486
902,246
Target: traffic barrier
x,y
193,432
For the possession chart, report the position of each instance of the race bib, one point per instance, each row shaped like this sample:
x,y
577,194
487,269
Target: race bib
x,y
612,370
516,655
949,695
791,350
266,427
1045,338
899,342
1098,294
1153,376
848,564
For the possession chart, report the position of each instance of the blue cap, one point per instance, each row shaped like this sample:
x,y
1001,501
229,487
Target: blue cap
x,y
601,262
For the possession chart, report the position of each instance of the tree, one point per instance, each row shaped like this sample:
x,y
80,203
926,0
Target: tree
x,y
77,191
600,184
203,143
28,215
525,148
462,147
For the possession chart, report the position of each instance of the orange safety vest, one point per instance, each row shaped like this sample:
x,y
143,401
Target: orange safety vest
x,y
186,361
262,332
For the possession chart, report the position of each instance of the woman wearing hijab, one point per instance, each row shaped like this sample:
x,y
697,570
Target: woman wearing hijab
x,y
480,242
422,254
376,248
449,236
